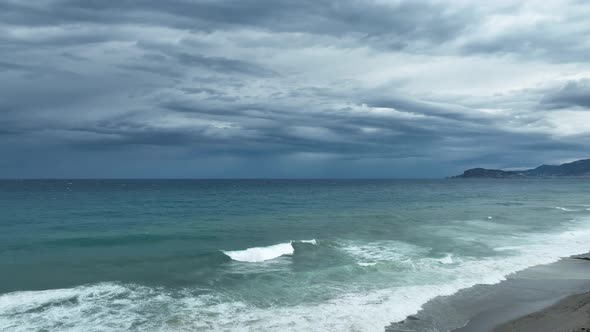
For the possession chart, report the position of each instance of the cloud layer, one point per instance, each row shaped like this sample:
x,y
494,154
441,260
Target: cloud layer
x,y
290,88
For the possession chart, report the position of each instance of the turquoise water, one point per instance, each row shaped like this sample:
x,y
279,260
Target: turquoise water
x,y
268,255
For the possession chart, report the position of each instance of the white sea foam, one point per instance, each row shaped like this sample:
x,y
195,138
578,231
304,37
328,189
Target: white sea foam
x,y
370,254
260,254
367,263
111,307
373,310
566,209
313,241
115,307
448,259
383,251
82,308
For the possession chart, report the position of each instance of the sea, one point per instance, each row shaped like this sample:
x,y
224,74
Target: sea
x,y
268,255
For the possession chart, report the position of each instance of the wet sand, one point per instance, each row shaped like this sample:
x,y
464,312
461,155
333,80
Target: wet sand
x,y
544,298
569,314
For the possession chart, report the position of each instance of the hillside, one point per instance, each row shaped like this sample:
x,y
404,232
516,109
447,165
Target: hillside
x,y
579,168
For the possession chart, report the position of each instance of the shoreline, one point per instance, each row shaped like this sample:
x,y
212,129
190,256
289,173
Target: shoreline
x,y
539,296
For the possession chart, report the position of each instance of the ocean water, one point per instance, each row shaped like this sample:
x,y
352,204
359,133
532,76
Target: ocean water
x,y
268,255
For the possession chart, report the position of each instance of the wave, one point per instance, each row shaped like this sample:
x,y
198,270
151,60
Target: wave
x,y
142,308
367,263
261,254
105,307
117,307
563,209
448,259
370,254
568,209
385,251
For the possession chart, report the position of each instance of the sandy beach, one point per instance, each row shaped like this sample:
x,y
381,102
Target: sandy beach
x,y
546,298
569,314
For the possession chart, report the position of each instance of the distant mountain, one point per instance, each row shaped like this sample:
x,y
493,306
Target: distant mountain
x,y
573,169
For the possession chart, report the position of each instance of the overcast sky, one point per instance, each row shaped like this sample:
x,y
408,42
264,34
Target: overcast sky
x,y
300,88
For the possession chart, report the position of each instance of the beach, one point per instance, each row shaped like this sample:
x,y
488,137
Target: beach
x,y
569,314
546,298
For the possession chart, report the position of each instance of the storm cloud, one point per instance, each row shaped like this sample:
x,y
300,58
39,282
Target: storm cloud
x,y
290,88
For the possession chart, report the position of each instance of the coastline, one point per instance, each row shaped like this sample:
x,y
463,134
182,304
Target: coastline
x,y
552,297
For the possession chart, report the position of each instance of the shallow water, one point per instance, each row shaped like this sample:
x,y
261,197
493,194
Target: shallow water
x,y
267,255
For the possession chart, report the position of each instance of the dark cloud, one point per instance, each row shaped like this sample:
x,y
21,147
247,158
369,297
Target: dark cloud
x,y
403,21
572,94
543,145
288,88
219,64
426,107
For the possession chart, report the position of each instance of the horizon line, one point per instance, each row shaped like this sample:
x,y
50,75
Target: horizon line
x,y
228,178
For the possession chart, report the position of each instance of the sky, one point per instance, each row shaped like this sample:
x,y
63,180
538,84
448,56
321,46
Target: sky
x,y
290,89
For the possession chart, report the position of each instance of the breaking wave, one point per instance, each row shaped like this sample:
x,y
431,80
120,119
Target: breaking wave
x,y
261,254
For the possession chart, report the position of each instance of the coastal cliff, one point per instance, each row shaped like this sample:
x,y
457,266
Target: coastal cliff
x,y
579,168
